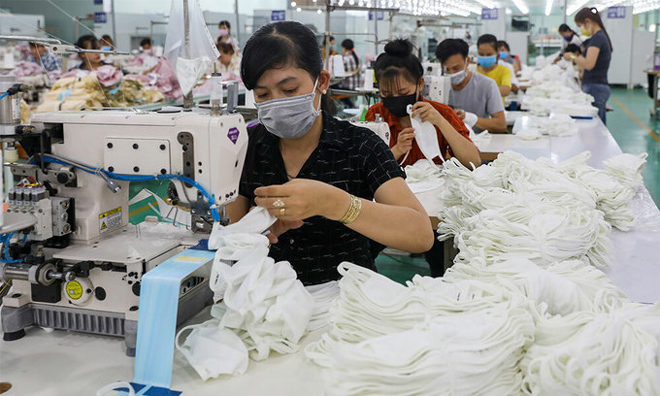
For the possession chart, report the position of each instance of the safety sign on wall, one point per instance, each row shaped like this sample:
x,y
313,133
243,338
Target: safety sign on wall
x,y
100,17
616,13
278,15
489,14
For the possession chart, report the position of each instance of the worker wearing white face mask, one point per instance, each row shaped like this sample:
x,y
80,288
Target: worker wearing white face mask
x,y
333,186
475,97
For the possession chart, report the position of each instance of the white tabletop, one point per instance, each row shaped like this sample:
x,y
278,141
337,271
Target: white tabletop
x,y
68,363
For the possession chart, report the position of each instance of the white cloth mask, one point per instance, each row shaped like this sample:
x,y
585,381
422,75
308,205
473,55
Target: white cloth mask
x,y
426,137
289,118
458,77
213,351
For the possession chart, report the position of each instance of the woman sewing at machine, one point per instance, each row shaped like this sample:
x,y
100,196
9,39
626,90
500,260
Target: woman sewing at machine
x,y
333,186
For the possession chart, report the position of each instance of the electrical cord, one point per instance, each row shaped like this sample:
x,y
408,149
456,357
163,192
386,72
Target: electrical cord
x,y
5,239
109,178
4,95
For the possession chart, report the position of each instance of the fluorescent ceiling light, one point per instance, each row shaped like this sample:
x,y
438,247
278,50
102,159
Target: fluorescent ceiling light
x,y
522,6
486,3
576,6
548,7
641,6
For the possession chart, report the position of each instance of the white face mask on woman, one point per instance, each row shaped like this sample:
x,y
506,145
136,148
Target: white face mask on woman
x,y
289,118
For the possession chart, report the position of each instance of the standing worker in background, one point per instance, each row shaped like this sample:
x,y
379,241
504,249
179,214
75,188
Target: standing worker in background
x,y
224,36
596,59
487,59
39,54
333,186
352,69
476,98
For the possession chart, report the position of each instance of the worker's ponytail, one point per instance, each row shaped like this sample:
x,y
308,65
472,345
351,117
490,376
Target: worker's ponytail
x,y
593,15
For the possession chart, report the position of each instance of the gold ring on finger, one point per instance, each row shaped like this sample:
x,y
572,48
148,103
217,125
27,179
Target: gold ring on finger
x,y
282,211
279,203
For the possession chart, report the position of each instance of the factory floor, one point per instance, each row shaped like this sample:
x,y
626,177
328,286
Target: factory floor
x,y
633,129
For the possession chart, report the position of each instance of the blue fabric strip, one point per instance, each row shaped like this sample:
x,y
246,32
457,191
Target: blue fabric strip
x,y
159,300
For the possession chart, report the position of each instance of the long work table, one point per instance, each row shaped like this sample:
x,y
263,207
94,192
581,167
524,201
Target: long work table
x,y
46,363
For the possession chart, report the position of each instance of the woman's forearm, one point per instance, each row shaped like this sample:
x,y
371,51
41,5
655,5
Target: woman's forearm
x,y
464,150
401,227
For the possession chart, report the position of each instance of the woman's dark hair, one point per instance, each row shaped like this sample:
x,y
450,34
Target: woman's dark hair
x,y
327,39
564,28
487,39
504,44
573,48
398,60
450,47
226,23
278,45
87,39
225,48
349,45
593,15
145,41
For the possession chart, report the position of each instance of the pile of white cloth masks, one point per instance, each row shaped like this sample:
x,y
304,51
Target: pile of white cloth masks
x,y
423,175
557,124
524,309
556,97
260,305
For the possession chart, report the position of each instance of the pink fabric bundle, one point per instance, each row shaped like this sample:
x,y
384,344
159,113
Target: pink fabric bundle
x,y
108,75
163,78
24,50
27,69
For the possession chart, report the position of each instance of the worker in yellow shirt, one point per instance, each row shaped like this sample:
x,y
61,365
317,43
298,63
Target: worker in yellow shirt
x,y
487,59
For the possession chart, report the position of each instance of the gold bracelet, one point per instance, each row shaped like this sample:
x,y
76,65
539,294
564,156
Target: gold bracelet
x,y
353,210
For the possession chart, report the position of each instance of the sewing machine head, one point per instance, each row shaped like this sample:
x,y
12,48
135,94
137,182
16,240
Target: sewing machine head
x,y
135,146
78,256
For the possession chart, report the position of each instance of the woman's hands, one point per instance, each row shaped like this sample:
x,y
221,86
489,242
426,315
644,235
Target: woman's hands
x,y
404,142
300,199
427,112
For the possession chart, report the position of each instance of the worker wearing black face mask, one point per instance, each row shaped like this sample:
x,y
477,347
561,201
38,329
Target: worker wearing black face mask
x,y
400,78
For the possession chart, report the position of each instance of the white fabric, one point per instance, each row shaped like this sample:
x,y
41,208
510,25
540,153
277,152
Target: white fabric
x,y
614,353
470,119
263,306
213,351
538,210
556,125
425,136
324,296
423,175
255,221
389,339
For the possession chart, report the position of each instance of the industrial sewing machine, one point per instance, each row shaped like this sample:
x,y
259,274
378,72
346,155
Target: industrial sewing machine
x,y
77,264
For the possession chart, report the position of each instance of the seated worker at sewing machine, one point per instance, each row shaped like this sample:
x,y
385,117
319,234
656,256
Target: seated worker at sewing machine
x,y
39,54
333,186
89,61
475,97
400,77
